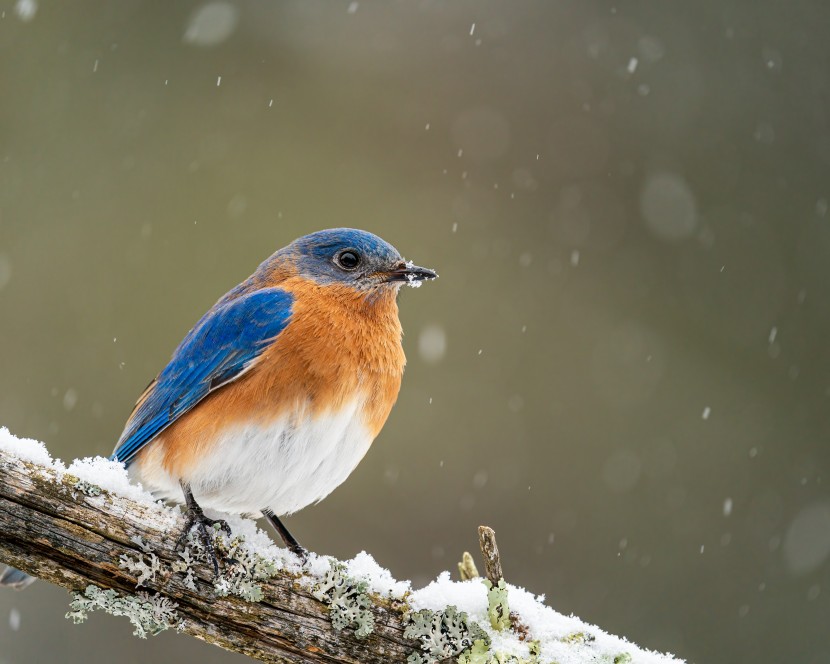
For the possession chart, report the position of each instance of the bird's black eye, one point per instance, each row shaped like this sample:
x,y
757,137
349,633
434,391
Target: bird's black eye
x,y
348,259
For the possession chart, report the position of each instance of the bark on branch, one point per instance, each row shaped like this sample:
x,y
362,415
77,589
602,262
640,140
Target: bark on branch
x,y
102,545
50,528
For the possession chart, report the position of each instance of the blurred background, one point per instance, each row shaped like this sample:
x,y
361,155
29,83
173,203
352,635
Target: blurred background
x,y
624,367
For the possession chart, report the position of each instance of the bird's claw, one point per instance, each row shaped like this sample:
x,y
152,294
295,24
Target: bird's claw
x,y
195,518
300,551
222,525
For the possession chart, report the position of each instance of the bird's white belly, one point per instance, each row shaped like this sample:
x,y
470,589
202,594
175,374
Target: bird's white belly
x,y
283,465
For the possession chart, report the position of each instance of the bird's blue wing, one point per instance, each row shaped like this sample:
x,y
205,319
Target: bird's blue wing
x,y
225,342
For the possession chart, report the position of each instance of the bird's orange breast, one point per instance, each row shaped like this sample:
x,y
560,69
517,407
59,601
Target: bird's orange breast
x,y
340,345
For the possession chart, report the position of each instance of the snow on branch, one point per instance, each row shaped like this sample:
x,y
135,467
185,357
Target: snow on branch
x,y
86,528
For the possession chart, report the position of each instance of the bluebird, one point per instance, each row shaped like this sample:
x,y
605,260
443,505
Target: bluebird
x,y
273,398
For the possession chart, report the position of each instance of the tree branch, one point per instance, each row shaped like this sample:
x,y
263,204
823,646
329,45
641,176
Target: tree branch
x,y
53,530
99,544
490,550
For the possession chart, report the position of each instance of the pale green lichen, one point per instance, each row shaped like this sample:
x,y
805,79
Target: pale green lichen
x,y
186,566
579,638
623,658
145,565
242,572
243,577
348,601
467,567
87,488
148,614
480,654
442,634
498,611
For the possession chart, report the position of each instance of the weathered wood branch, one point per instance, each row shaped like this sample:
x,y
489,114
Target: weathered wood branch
x,y
103,544
51,529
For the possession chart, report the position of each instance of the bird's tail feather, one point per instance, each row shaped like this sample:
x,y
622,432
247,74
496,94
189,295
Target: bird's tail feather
x,y
14,578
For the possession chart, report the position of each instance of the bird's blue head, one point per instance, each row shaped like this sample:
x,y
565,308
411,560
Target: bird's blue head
x,y
355,258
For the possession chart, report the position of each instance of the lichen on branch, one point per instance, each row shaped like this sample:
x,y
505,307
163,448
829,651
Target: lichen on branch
x,y
149,614
85,527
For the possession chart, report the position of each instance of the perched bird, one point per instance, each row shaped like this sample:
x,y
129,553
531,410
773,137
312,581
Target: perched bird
x,y
276,394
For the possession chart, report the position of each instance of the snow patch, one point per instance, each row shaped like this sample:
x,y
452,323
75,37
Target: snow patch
x,y
364,568
555,632
26,449
99,471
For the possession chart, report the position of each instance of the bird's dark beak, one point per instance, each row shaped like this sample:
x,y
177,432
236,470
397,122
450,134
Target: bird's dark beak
x,y
407,272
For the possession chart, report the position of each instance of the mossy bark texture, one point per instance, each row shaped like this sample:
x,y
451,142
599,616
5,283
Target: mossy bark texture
x,y
55,530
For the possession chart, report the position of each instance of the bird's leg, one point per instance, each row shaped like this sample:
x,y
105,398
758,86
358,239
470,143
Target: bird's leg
x,y
288,539
195,518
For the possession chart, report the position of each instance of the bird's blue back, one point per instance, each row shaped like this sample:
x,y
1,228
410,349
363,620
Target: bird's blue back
x,y
225,342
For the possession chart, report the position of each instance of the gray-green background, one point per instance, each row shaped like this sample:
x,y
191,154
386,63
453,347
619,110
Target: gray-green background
x,y
624,367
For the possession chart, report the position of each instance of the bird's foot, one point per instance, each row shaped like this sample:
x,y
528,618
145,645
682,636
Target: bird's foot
x,y
195,519
300,551
288,539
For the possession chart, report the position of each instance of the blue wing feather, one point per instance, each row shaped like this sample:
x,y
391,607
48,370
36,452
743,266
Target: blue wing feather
x,y
217,350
